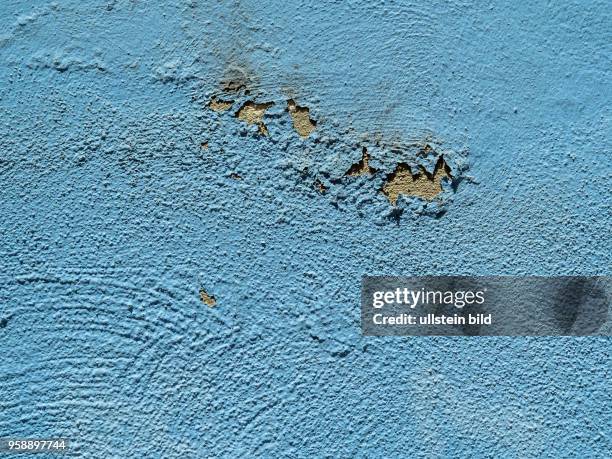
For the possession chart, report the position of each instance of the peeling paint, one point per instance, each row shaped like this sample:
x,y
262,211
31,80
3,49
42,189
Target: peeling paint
x,y
253,113
207,299
422,184
219,105
302,123
318,185
420,154
362,167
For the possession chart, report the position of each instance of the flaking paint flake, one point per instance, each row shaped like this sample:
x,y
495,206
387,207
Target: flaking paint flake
x,y
208,299
253,113
300,116
423,184
220,105
362,167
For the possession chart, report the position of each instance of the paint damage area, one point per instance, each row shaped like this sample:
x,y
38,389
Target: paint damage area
x,y
302,123
352,171
319,186
362,167
208,299
385,180
423,184
253,113
220,105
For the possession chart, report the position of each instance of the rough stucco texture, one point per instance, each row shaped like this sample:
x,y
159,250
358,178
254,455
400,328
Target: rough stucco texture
x,y
125,195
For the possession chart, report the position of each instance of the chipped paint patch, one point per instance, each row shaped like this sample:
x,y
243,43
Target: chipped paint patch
x,y
207,299
318,185
324,159
422,185
362,167
252,113
219,105
302,123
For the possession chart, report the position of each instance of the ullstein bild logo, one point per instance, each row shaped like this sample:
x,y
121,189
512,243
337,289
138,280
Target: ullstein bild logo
x,y
486,306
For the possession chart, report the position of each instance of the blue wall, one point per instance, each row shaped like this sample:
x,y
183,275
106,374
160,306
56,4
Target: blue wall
x,y
120,200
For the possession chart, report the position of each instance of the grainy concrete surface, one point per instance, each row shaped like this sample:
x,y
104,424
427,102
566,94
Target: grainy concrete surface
x,y
125,198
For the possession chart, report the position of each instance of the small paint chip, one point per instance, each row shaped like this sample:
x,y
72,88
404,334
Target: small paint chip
x,y
235,176
252,113
219,105
207,299
302,123
422,185
204,145
319,186
362,167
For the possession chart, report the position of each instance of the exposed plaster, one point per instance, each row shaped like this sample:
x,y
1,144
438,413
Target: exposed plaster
x,y
207,299
302,123
362,167
422,185
253,113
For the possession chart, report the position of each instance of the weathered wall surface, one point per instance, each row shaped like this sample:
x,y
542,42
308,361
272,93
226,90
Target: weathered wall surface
x,y
180,274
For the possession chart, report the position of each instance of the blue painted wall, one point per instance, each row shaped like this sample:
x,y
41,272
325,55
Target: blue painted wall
x,y
120,201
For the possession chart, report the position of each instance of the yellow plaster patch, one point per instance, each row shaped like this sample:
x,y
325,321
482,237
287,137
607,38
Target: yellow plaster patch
x,y
252,113
302,123
422,185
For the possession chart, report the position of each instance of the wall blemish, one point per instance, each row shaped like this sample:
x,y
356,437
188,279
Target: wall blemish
x,y
318,185
362,167
423,185
219,105
207,299
253,113
302,123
